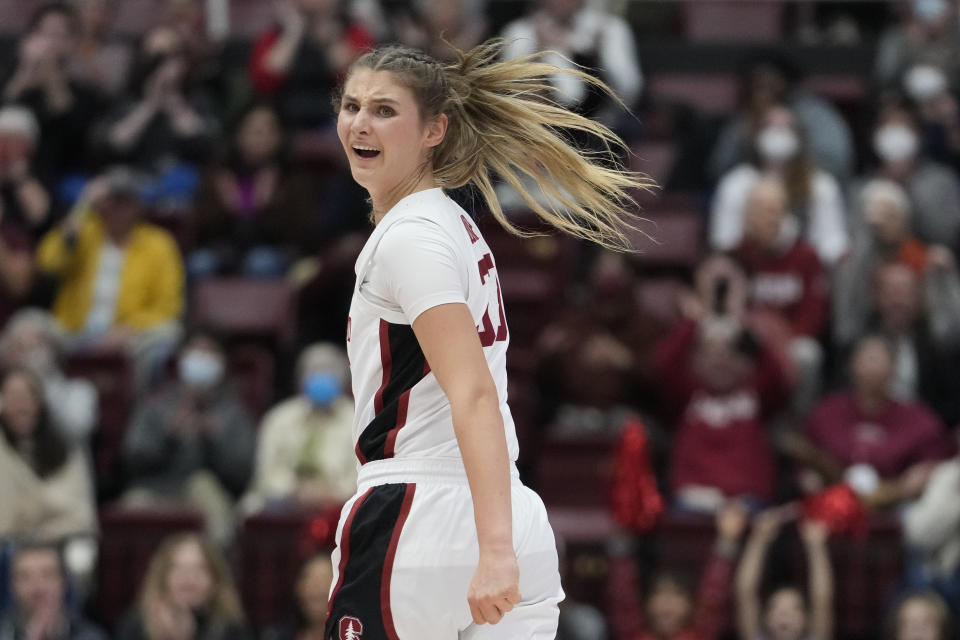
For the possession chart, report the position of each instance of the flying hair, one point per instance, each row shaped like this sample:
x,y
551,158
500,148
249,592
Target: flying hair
x,y
503,123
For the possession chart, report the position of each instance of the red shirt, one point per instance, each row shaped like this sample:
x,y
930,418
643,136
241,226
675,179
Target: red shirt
x,y
902,434
721,439
792,284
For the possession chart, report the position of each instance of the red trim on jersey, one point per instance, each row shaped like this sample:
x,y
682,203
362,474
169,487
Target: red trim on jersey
x,y
356,449
403,403
385,611
345,548
386,363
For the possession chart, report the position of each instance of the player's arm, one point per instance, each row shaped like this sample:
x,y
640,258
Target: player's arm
x,y
449,340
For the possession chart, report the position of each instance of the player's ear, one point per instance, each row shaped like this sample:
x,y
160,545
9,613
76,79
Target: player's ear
x,y
436,130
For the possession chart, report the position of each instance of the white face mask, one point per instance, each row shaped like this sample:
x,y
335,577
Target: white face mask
x,y
777,144
200,368
895,143
924,82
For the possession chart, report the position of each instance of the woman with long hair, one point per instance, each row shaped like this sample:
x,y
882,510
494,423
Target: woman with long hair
x,y
46,487
814,196
188,594
442,540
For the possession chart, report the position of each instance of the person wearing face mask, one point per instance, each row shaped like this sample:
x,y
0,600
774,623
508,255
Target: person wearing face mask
x,y
193,442
814,196
926,34
305,451
933,188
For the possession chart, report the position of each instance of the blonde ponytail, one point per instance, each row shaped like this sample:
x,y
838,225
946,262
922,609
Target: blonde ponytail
x,y
502,123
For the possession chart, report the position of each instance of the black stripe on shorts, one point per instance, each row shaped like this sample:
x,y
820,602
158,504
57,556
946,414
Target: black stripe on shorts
x,y
360,602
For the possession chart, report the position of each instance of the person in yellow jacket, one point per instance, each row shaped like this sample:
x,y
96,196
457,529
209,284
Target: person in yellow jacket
x,y
121,280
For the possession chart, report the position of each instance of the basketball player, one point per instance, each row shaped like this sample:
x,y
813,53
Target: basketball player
x,y
442,541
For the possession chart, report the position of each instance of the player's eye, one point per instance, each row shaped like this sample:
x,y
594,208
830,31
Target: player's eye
x,y
352,107
385,111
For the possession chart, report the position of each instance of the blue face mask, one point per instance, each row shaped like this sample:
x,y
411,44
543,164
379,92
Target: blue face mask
x,y
323,388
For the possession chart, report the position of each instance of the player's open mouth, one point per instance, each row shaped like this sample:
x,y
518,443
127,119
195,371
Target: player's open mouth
x,y
366,152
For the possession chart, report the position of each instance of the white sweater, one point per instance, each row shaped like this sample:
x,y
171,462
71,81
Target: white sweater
x,y
932,523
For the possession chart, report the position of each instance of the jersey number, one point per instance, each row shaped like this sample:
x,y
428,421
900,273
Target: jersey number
x,y
487,333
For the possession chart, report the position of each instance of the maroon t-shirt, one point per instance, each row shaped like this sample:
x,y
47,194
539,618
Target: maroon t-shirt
x,y
902,434
721,439
792,284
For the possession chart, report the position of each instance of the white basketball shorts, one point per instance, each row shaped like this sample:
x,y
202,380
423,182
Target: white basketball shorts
x,y
407,550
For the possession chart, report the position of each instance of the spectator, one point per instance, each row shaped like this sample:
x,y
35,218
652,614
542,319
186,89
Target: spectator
x,y
931,527
188,594
165,121
787,281
40,82
99,59
305,452
39,611
45,484
720,385
925,369
886,237
926,34
920,615
31,341
672,610
583,35
120,279
24,201
767,79
427,23
886,446
814,195
300,60
788,614
255,212
193,442
312,590
933,189
597,354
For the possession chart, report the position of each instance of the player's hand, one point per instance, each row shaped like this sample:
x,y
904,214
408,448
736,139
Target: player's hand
x,y
495,588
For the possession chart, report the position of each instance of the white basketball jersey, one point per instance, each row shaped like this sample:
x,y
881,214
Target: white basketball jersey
x,y
426,251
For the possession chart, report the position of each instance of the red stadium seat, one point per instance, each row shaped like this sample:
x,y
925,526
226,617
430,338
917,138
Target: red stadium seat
x,y
112,375
15,15
575,471
272,548
252,368
713,94
733,20
136,17
250,18
655,159
247,307
128,539
675,238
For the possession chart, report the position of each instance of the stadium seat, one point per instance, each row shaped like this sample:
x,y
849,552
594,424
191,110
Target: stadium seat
x,y
712,94
575,471
135,17
674,238
247,307
272,547
253,369
112,375
128,539
654,158
733,20
250,18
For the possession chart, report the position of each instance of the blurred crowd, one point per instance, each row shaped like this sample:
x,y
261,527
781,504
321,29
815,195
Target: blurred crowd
x,y
812,342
